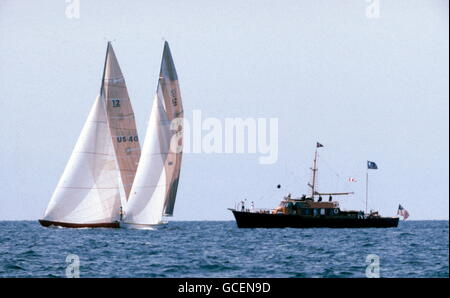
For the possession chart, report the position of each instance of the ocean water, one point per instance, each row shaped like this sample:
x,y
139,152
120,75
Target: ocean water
x,y
220,249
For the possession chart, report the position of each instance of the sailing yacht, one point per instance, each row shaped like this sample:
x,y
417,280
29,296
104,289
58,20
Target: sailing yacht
x,y
154,190
103,164
106,170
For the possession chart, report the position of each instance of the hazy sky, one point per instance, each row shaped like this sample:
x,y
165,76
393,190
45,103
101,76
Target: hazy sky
x,y
366,88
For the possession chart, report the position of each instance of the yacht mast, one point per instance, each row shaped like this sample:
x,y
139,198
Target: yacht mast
x,y
314,171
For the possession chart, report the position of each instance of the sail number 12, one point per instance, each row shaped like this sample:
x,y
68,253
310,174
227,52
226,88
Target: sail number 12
x,y
115,103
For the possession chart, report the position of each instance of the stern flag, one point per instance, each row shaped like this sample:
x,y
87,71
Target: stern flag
x,y
319,145
402,212
371,165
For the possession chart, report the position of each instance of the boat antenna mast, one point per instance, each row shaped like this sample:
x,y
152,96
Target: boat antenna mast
x,y
370,166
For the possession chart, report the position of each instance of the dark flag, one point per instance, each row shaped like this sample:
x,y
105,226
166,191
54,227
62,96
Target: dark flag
x,y
319,145
371,165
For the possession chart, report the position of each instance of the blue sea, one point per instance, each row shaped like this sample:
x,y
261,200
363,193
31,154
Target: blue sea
x,y
220,249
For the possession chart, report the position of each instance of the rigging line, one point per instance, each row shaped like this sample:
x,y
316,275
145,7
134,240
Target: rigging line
x,y
327,164
340,180
266,195
329,167
273,192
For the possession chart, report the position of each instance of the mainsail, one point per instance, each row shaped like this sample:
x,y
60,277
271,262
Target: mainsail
x,y
88,191
120,120
155,186
103,162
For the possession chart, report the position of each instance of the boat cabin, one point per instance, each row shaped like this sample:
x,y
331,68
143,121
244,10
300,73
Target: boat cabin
x,y
308,207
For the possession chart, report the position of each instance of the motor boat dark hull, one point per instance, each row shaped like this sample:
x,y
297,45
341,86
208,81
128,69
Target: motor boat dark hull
x,y
268,220
48,223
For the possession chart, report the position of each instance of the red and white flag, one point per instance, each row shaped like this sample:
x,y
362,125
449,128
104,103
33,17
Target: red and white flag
x,y
352,179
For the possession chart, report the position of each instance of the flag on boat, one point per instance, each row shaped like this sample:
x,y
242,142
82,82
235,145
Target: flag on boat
x,y
351,179
319,145
402,212
371,165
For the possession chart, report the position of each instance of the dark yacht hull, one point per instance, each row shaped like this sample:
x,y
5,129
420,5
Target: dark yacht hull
x,y
47,223
265,220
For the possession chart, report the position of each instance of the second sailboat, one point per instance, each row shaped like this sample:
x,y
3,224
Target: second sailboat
x,y
155,185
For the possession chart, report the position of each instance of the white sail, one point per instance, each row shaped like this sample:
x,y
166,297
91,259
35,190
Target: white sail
x,y
146,202
88,191
155,185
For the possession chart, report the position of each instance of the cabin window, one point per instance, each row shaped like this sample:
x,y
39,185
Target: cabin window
x,y
316,211
322,211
